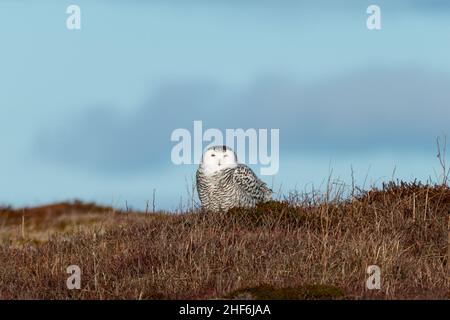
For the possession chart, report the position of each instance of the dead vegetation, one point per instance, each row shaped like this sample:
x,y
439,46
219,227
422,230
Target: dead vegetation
x,y
313,247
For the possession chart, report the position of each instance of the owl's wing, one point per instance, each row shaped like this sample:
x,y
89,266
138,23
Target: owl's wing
x,y
201,188
246,179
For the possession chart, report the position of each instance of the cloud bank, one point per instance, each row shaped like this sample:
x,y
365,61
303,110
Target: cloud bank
x,y
374,109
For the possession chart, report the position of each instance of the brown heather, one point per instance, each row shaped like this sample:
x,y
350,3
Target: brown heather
x,y
310,247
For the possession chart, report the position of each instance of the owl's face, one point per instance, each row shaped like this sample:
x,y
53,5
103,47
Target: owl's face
x,y
218,158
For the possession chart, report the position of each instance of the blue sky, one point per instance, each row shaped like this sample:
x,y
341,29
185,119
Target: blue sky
x,y
88,114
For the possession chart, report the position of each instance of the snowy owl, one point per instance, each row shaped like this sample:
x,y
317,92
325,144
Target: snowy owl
x,y
223,183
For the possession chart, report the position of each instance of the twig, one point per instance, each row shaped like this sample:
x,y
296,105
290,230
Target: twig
x,y
154,201
442,156
23,226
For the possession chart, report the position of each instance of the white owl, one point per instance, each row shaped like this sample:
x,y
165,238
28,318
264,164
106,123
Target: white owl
x,y
223,183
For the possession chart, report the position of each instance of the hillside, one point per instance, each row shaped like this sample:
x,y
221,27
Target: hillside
x,y
311,248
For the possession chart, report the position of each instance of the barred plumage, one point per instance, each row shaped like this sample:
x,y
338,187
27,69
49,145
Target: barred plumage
x,y
222,183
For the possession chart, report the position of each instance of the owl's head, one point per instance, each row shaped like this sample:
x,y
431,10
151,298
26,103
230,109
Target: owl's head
x,y
218,158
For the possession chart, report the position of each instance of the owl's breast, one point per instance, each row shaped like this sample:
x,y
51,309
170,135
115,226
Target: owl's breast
x,y
217,192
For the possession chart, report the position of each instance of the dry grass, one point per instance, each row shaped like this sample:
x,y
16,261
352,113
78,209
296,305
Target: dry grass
x,y
310,247
36,225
